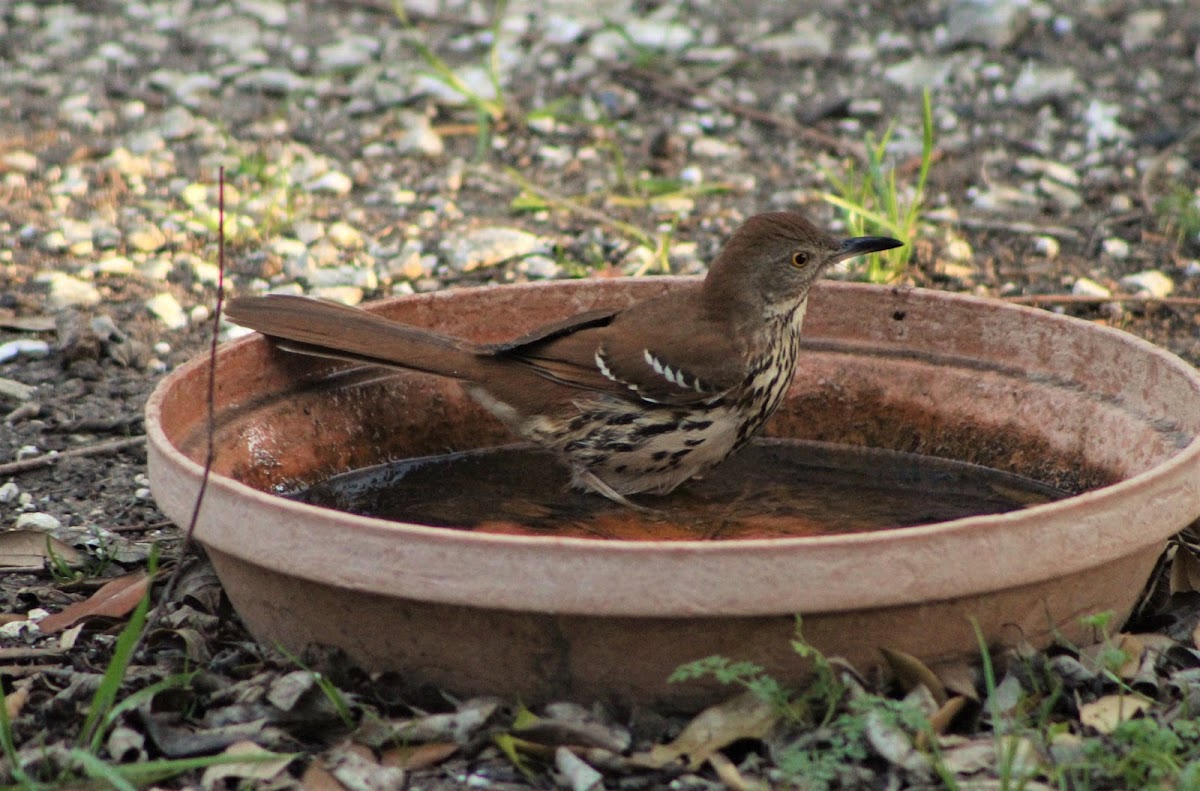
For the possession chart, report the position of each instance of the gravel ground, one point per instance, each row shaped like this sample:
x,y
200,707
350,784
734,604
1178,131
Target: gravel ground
x,y
1067,173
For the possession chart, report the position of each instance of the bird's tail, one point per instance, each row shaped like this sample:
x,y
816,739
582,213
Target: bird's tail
x,y
328,329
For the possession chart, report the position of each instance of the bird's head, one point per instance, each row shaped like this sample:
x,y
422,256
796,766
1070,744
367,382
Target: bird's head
x,y
774,258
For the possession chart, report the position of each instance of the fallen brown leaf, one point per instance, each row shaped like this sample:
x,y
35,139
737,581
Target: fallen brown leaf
x,y
115,599
28,550
910,672
745,717
1106,713
418,756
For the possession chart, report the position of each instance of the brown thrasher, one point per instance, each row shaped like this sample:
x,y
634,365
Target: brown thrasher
x,y
633,400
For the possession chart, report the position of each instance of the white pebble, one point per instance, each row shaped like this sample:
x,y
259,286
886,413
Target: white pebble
x,y
23,347
168,310
1047,246
1151,282
28,452
1087,287
9,492
162,348
1116,247
37,521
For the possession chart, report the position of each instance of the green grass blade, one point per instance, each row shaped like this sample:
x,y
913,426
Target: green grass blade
x,y
144,695
102,702
95,768
872,216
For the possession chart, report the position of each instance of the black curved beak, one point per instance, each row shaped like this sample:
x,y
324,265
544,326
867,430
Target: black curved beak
x,y
861,245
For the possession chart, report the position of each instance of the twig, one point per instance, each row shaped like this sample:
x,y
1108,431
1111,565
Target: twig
x,y
1088,299
50,459
686,93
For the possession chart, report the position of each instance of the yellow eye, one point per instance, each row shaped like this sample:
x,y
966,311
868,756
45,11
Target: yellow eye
x,y
799,259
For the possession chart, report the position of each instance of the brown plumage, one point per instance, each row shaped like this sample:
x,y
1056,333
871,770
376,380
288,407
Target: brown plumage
x,y
633,400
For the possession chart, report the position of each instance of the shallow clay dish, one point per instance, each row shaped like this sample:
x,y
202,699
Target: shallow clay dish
x,y
1083,407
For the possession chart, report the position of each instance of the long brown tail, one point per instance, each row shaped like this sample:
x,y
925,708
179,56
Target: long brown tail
x,y
328,329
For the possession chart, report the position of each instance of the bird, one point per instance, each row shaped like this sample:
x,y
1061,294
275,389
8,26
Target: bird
x,y
633,400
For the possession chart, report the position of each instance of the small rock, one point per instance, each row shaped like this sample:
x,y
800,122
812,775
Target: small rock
x,y
69,292
656,34
1066,198
23,347
177,123
1037,83
1100,119
16,391
276,82
28,452
1150,282
1061,173
167,309
9,492
959,250
19,161
714,148
347,53
992,23
38,521
334,182
1141,29
490,246
810,39
113,265
1115,247
540,266
419,136
1047,246
347,295
146,238
1086,287
345,236
919,72
271,13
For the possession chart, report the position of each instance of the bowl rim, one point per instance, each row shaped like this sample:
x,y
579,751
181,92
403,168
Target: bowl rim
x,y
575,568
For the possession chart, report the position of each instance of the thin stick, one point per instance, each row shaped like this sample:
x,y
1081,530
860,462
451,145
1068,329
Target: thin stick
x,y
50,459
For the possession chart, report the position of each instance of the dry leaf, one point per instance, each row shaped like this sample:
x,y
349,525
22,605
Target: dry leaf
x,y
418,756
263,767
1185,571
940,720
728,772
1132,648
115,599
28,550
745,717
355,767
911,672
15,700
317,778
958,677
1106,713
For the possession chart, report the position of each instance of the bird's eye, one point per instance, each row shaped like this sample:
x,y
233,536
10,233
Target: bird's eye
x,y
799,259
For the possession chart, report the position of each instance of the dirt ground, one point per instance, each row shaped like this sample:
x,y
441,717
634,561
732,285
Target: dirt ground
x,y
1066,173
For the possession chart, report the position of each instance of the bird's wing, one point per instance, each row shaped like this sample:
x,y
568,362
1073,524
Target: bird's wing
x,y
682,365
